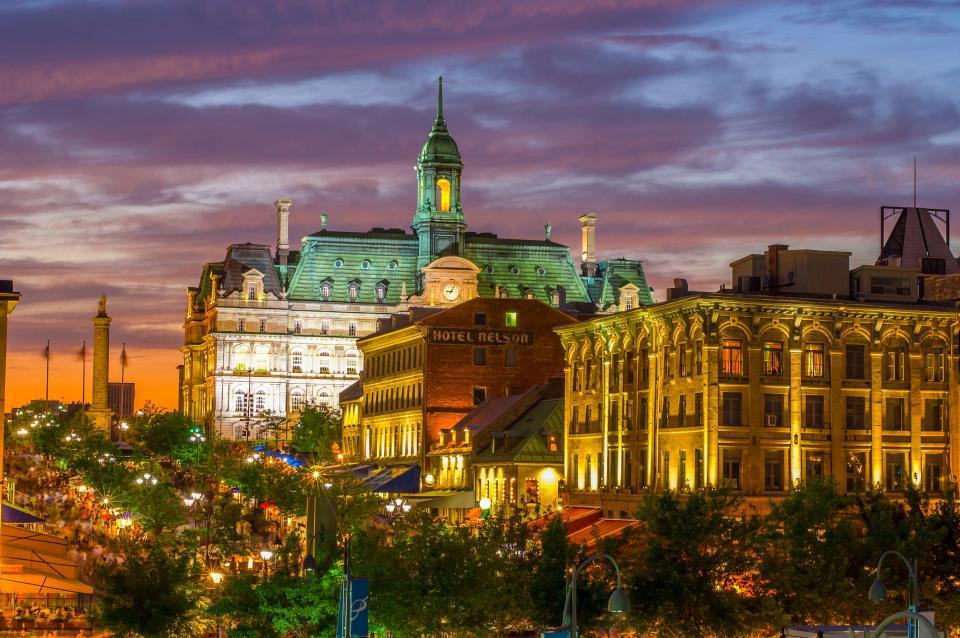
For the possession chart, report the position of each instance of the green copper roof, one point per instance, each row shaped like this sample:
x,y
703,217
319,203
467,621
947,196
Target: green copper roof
x,y
440,147
519,266
525,440
366,261
617,273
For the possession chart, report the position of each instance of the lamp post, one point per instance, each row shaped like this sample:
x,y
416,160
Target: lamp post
x,y
217,578
878,591
618,603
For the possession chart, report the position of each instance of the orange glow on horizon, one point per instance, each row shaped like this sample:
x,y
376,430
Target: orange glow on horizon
x,y
153,371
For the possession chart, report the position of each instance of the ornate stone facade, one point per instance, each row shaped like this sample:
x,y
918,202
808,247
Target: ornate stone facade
x,y
756,392
269,330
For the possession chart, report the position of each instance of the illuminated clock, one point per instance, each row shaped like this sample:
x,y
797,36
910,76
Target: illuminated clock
x,y
451,292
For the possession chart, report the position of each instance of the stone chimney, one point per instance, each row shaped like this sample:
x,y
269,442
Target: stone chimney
x,y
588,244
283,229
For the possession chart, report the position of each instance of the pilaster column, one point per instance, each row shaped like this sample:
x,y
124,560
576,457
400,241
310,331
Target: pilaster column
x,y
915,413
837,416
876,416
711,417
605,419
795,398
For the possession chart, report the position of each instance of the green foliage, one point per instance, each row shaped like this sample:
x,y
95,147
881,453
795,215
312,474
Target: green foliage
x,y
811,557
73,441
274,482
163,434
319,428
548,584
150,594
280,606
691,564
427,577
158,506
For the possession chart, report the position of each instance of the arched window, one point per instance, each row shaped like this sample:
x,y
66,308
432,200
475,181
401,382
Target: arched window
x,y
443,194
260,404
296,362
324,399
262,359
323,361
296,401
240,401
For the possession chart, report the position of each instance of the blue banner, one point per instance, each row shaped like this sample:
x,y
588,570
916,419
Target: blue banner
x,y
359,596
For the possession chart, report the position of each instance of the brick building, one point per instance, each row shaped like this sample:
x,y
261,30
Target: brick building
x,y
428,369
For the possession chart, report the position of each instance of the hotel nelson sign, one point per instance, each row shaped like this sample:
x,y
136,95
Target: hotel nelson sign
x,y
479,337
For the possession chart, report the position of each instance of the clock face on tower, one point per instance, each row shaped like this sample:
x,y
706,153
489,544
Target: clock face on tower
x,y
451,291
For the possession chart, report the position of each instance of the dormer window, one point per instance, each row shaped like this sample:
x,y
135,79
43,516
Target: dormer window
x,y
325,290
252,285
381,291
365,264
354,292
555,298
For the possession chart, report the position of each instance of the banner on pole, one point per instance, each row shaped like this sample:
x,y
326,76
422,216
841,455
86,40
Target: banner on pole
x,y
359,589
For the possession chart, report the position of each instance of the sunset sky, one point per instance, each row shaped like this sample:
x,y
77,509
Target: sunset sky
x,y
139,138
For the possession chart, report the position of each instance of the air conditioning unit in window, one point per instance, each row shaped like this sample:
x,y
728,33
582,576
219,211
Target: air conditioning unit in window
x,y
772,420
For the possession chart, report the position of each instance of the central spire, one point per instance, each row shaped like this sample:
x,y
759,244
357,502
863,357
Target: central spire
x,y
439,124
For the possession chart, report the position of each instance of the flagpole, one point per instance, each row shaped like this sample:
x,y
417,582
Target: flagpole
x,y
46,393
123,387
83,386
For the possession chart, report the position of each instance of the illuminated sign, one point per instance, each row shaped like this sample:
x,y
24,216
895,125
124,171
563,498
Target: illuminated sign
x,y
480,337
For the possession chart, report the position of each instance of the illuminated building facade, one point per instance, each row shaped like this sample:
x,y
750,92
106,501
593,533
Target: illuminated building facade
x,y
755,388
268,330
429,370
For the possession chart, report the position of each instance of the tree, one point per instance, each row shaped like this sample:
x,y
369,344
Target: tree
x,y
319,428
812,557
150,594
165,433
282,605
548,583
158,506
691,568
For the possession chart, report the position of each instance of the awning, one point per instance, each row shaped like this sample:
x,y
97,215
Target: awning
x,y
454,499
402,479
30,582
13,514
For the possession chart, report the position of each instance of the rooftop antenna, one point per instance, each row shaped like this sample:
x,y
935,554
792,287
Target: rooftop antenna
x,y
914,181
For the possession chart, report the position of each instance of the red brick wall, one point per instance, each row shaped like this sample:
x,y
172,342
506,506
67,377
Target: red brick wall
x,y
450,374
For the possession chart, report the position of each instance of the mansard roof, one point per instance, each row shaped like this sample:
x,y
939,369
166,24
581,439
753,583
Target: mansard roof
x,y
519,266
378,256
242,258
617,273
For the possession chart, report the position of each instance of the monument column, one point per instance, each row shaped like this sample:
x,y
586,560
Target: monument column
x,y
99,411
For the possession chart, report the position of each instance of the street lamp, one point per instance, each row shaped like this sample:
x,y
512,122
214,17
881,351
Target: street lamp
x,y
878,591
618,603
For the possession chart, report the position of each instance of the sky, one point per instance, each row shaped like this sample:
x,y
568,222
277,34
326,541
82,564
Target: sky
x,y
139,138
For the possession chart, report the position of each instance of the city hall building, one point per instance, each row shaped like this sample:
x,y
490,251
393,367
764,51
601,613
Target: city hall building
x,y
271,329
802,369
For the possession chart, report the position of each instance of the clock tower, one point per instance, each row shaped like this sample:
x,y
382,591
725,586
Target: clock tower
x,y
438,221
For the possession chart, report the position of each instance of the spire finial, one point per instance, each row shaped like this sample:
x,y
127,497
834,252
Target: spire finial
x,y
440,100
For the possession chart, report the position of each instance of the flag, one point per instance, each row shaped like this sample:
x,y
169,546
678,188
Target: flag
x,y
46,351
82,354
123,356
358,592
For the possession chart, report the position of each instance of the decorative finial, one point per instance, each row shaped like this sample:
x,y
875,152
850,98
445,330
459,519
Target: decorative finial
x,y
440,99
323,220
547,229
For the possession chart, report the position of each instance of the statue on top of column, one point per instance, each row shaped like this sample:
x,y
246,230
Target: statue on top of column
x,y
102,308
